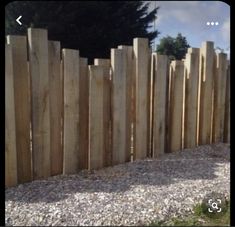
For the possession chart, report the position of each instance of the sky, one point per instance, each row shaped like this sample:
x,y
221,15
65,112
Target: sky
x,y
190,19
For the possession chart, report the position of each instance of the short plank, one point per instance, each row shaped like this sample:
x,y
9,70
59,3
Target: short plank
x,y
22,107
206,68
96,117
191,98
55,84
102,61
219,98
83,114
119,70
38,60
71,110
160,75
176,105
105,63
141,63
10,129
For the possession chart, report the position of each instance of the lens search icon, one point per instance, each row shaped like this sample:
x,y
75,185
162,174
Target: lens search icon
x,y
213,206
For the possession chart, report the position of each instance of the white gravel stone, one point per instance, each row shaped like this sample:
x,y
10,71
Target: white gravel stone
x,y
134,193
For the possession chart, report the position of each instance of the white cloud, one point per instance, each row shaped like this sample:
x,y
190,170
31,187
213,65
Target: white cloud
x,y
189,13
225,31
190,18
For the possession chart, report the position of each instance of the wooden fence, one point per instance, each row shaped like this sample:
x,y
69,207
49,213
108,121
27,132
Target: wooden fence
x,y
63,115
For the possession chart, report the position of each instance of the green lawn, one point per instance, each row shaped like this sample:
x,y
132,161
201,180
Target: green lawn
x,y
197,219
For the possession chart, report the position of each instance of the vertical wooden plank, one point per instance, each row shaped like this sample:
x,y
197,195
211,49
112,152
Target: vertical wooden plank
x,y
22,107
118,65
191,98
62,110
149,104
129,113
168,105
55,85
38,58
10,130
176,105
141,58
152,81
133,108
227,108
96,117
219,98
206,70
224,72
71,110
160,68
83,114
105,63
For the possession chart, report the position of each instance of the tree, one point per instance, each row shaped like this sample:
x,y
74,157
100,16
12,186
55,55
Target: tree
x,y
175,48
93,27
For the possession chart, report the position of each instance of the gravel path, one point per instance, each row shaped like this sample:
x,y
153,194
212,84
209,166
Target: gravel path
x,y
134,193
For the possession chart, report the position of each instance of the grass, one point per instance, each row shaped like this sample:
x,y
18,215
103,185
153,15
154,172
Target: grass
x,y
198,218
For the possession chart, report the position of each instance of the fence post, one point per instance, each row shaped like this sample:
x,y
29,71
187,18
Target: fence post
x,y
119,137
227,107
71,110
149,104
10,132
219,98
142,94
96,117
22,106
38,60
206,71
176,105
105,63
55,85
83,114
160,74
191,97
129,108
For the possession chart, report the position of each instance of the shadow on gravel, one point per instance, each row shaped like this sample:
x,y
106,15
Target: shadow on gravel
x,y
170,169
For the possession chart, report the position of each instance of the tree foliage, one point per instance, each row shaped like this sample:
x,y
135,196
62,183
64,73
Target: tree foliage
x,y
93,27
175,48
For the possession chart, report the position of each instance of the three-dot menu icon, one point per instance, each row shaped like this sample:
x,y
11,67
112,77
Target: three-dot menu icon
x,y
212,23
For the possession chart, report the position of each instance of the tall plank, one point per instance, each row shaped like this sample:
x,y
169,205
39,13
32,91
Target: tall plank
x,y
96,117
119,70
191,98
83,114
38,59
219,98
227,108
176,105
141,58
160,74
10,129
71,110
207,71
55,85
22,107
150,107
105,63
129,92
